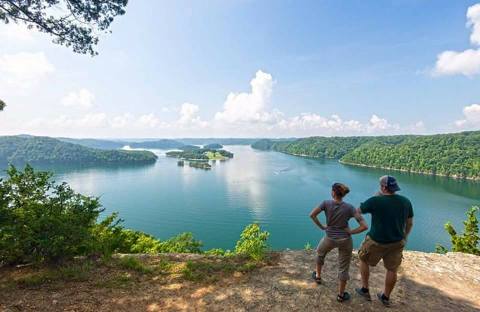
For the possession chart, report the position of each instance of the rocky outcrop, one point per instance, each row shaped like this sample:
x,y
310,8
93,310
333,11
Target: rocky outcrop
x,y
427,282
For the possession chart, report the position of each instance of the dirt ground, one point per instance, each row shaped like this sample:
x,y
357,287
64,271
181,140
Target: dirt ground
x,y
427,282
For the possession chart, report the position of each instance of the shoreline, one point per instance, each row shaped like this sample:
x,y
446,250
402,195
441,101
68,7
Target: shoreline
x,y
455,177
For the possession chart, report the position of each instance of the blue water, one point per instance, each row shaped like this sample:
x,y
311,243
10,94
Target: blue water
x,y
271,188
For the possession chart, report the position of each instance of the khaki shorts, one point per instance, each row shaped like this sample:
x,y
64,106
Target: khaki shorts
x,y
344,246
371,252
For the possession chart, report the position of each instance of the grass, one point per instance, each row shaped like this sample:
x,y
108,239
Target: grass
x,y
73,272
132,263
124,280
215,156
127,272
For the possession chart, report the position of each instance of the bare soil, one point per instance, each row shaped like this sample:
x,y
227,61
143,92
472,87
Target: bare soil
x,y
427,282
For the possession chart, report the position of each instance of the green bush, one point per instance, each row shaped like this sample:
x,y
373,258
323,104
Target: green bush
x,y
252,242
41,220
469,240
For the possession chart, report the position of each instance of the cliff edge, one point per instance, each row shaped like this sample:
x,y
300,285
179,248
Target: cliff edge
x,y
427,282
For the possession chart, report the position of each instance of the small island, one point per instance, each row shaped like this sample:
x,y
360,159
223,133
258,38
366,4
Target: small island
x,y
199,157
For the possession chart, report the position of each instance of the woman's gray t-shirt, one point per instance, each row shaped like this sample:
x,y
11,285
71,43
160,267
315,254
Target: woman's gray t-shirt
x,y
337,215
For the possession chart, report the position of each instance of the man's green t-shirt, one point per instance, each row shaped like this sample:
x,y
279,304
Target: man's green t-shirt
x,y
389,217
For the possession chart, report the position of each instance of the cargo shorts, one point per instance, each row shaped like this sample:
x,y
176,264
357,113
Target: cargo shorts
x,y
372,252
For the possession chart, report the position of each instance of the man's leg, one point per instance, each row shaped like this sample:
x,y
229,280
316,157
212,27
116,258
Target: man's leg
x,y
390,280
365,273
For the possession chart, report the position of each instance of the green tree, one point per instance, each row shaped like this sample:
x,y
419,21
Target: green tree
x,y
2,105
469,240
72,23
41,220
252,242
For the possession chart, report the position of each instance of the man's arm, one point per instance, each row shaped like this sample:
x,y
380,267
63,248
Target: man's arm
x,y
408,227
314,216
362,224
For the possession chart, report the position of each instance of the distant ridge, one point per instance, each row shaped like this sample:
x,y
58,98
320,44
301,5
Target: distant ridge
x,y
45,150
455,155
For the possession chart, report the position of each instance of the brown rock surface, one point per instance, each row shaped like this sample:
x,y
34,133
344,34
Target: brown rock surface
x,y
427,282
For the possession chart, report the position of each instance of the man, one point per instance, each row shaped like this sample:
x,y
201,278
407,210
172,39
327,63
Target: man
x,y
392,221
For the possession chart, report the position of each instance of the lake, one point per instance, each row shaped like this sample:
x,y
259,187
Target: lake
x,y
271,188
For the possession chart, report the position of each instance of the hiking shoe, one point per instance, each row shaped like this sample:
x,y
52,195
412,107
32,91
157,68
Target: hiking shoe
x,y
384,299
317,280
346,296
363,293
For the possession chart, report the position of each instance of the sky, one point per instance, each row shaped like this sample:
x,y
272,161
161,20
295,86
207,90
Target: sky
x,y
244,68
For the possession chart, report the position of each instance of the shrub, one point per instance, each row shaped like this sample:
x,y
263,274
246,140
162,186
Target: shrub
x,y
252,242
41,220
469,240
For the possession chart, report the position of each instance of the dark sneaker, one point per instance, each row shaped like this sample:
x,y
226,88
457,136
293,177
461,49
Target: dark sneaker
x,y
363,293
384,299
317,280
346,296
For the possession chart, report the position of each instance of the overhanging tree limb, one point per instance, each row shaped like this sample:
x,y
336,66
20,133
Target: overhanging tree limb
x,y
72,23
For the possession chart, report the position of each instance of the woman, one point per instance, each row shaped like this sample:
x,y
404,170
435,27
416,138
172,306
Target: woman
x,y
337,214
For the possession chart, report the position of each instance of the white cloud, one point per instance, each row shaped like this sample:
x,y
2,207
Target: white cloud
x,y
189,116
473,17
24,69
471,115
250,107
452,63
466,62
82,98
16,32
148,120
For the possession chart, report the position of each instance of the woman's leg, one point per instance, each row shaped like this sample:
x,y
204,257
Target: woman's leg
x,y
345,248
324,247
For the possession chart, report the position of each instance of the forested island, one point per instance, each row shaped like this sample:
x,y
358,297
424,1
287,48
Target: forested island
x,y
45,150
200,154
199,157
455,155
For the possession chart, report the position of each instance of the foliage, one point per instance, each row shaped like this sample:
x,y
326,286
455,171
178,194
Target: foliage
x,y
213,146
41,220
200,154
469,240
45,150
72,23
132,263
308,247
252,242
456,154
159,144
2,105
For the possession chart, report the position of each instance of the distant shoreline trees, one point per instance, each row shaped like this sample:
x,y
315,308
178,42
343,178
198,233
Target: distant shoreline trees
x,y
454,155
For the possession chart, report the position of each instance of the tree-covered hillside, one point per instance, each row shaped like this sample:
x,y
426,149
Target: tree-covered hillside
x,y
157,144
96,143
446,154
45,150
456,154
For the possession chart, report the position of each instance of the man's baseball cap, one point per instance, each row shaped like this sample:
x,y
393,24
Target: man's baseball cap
x,y
390,183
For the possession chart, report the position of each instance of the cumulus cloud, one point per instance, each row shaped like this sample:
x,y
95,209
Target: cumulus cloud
x,y
252,106
471,118
24,69
82,98
452,63
466,62
189,116
243,114
473,17
16,32
148,120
